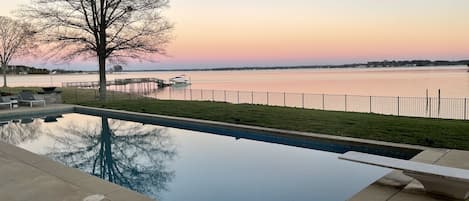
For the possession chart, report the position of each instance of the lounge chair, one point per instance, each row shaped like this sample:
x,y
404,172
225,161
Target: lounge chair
x,y
6,101
28,97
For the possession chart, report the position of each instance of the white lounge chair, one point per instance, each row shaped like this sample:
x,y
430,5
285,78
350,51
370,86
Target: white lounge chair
x,y
28,97
6,101
452,182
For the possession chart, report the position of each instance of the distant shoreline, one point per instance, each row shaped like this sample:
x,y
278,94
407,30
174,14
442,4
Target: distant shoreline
x,y
369,65
254,69
285,68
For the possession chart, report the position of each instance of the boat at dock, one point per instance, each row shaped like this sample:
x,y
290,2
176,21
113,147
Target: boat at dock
x,y
179,81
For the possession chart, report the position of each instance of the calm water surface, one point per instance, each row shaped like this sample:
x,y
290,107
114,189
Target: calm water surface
x,y
179,165
453,81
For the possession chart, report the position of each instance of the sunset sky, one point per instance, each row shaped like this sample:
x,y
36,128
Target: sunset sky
x,y
221,33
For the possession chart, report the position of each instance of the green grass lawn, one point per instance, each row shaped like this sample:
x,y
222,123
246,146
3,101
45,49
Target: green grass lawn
x,y
418,131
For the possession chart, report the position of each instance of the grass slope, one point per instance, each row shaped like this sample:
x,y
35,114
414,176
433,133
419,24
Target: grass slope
x,y
417,131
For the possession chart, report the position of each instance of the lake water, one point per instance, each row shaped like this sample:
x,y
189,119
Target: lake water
x,y
453,81
177,165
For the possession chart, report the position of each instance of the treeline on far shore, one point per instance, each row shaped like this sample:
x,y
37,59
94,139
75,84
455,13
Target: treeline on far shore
x,y
22,70
371,64
28,70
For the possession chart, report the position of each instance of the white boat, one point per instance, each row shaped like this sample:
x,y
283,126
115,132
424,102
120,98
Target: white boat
x,y
179,81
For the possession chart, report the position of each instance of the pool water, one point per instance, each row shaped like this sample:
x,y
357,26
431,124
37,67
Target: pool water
x,y
172,164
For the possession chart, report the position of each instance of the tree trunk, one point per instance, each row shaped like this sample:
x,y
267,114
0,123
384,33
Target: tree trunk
x,y
4,69
102,78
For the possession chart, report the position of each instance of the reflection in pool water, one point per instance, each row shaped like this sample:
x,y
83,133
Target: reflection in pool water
x,y
174,165
119,152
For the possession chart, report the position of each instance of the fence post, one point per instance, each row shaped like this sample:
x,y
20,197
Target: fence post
x,y
323,102
426,103
439,102
190,93
224,95
345,102
284,99
213,95
303,100
170,97
398,106
201,94
371,111
465,108
252,97
267,98
430,107
238,97
185,91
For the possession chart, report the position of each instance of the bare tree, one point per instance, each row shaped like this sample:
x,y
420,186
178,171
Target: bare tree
x,y
15,39
102,29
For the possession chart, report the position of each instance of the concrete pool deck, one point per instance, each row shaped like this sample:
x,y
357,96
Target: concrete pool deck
x,y
27,176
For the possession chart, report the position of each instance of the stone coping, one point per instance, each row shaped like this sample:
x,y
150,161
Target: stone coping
x,y
340,139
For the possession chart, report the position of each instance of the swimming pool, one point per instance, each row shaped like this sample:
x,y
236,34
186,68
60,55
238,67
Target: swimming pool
x,y
173,164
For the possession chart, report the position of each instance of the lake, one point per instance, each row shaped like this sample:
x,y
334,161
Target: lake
x,y
453,81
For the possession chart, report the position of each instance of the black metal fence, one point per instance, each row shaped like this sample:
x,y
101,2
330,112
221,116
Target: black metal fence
x,y
430,107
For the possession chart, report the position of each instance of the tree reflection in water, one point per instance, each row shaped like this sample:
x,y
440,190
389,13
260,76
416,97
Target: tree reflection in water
x,y
124,153
16,132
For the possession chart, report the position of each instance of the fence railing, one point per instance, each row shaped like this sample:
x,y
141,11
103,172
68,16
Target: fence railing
x,y
428,107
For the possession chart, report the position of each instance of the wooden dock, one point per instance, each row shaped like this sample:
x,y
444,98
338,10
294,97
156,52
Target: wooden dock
x,y
118,82
144,86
